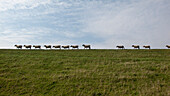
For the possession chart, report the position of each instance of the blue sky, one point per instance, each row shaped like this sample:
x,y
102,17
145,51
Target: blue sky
x,y
101,23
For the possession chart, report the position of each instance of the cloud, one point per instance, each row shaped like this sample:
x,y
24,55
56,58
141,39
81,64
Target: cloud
x,y
134,22
102,23
37,35
20,4
28,36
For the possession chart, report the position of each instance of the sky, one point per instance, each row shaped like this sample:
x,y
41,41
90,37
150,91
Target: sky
x,y
103,24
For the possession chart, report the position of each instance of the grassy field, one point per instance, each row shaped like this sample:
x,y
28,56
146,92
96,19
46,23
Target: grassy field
x,y
85,72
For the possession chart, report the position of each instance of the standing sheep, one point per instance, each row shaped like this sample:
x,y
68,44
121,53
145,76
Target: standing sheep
x,y
66,47
168,46
75,46
120,47
18,46
86,46
37,46
47,46
147,46
57,46
136,46
27,46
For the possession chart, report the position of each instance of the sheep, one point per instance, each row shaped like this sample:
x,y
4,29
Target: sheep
x,y
168,46
47,46
66,47
86,46
37,46
27,46
120,47
57,46
75,46
136,46
147,46
18,46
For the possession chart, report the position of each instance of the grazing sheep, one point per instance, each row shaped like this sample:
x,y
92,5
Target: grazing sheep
x,y
47,46
136,46
57,46
37,46
120,47
18,46
168,46
66,47
27,46
75,46
86,46
147,46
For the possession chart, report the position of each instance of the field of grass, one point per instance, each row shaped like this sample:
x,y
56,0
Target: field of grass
x,y
85,72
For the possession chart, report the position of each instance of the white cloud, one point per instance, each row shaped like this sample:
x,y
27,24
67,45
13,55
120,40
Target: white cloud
x,y
27,36
115,22
20,4
32,36
6,5
135,22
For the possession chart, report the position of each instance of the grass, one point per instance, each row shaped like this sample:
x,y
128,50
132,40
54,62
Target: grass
x,y
85,72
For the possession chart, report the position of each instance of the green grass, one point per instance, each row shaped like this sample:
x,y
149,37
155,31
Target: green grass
x,y
85,72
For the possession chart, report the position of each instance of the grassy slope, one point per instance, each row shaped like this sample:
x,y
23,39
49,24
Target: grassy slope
x,y
85,72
